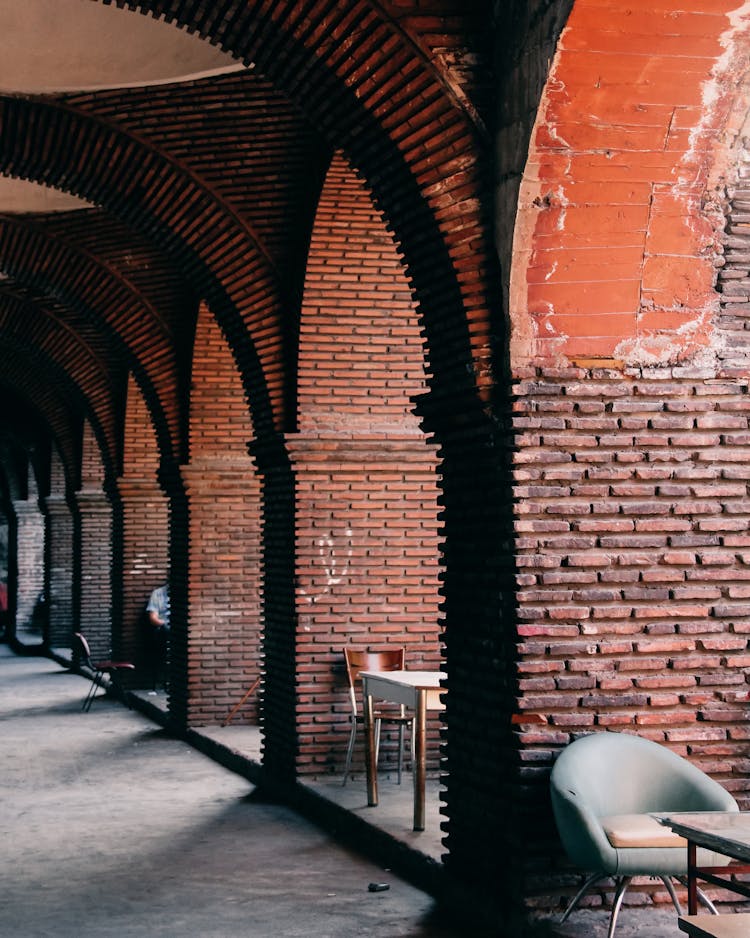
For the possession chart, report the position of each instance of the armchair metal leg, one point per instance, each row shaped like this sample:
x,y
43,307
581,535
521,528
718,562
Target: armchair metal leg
x,y
706,902
672,894
622,886
702,897
594,878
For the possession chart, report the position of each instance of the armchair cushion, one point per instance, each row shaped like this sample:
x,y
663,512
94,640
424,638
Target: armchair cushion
x,y
639,830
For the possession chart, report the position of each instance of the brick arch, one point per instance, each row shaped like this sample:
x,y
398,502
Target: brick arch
x,y
156,196
106,303
366,475
61,402
361,85
361,357
144,523
615,245
225,532
357,78
30,326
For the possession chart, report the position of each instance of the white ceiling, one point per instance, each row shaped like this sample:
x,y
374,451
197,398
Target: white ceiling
x,y
51,46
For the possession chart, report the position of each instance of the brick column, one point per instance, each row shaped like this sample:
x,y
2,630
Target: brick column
x,y
279,614
95,616
224,584
59,571
485,839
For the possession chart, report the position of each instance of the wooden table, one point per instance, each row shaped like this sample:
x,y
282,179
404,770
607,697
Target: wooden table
x,y
420,691
724,832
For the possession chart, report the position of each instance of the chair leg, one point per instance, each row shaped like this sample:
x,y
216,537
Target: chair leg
x,y
594,878
622,886
400,750
350,750
377,743
92,691
672,894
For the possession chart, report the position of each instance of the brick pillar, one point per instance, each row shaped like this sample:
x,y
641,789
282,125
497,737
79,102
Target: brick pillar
x,y
482,775
96,523
30,554
224,630
59,571
145,556
279,615
367,573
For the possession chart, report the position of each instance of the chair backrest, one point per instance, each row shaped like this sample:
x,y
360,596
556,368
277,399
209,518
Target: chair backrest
x,y
617,773
359,659
81,648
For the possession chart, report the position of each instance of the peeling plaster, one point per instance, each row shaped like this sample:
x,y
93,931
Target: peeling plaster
x,y
693,341
712,92
679,272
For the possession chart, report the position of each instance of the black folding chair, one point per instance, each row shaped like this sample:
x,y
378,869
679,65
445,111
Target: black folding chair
x,y
99,668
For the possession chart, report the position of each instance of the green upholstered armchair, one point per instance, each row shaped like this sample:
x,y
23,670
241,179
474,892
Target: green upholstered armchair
x,y
604,790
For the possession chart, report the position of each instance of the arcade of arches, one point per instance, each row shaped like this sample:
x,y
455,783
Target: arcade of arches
x,y
415,322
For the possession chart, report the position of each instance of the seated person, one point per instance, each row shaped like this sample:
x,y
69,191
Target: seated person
x,y
158,615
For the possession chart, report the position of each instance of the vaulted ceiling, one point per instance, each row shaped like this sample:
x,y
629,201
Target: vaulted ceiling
x,y
143,169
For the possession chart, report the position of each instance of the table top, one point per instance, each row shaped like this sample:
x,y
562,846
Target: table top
x,y
416,679
726,832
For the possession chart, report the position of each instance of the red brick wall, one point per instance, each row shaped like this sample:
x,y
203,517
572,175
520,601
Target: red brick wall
x,y
59,564
630,401
30,538
633,567
224,586
145,523
366,533
96,548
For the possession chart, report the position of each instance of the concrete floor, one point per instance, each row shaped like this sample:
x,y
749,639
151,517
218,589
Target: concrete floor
x,y
110,827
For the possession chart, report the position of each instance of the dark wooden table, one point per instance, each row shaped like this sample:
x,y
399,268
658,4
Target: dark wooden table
x,y
723,832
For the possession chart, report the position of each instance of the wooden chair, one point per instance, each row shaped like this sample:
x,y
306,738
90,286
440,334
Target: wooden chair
x,y
99,668
358,660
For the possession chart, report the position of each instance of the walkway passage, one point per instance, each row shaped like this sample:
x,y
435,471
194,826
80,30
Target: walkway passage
x,y
109,827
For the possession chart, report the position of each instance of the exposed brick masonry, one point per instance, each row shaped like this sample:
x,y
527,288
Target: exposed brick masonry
x,y
634,567
366,476
223,489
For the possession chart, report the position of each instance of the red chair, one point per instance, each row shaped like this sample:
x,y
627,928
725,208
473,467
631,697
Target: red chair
x,y
99,668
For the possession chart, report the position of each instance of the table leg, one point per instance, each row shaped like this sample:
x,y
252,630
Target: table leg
x,y
370,761
692,883
420,723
